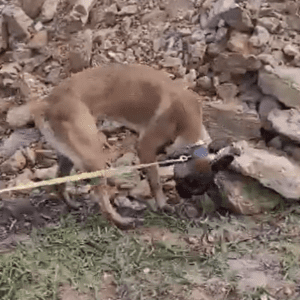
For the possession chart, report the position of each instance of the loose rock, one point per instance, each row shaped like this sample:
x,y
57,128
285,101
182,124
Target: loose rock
x,y
236,63
17,21
291,50
81,9
230,121
129,10
39,40
286,122
275,172
19,138
260,37
19,116
14,164
245,195
283,83
32,8
49,9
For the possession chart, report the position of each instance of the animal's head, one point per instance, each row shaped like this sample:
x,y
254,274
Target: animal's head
x,y
196,176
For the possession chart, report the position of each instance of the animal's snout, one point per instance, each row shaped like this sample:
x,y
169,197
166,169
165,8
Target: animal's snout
x,y
196,176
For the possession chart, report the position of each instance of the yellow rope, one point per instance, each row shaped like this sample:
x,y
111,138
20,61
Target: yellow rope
x,y
88,175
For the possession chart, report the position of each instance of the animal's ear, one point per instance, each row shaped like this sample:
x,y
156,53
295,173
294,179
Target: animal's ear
x,y
217,144
222,163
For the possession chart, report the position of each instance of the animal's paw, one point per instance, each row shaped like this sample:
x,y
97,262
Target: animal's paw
x,y
128,223
71,203
167,208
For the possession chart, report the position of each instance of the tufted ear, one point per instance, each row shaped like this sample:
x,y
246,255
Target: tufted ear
x,y
222,163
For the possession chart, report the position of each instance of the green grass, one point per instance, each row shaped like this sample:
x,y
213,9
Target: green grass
x,y
79,254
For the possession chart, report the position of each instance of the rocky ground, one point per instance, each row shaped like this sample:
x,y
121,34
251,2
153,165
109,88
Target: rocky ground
x,y
243,58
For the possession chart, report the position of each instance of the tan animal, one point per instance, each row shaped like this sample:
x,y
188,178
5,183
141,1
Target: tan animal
x,y
143,99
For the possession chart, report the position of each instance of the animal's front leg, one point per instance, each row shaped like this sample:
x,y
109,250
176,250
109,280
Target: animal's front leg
x,y
156,187
153,140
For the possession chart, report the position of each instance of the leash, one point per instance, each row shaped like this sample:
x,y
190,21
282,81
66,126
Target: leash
x,y
88,175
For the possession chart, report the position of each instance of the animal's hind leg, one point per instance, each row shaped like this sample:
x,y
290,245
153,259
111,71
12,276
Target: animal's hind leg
x,y
78,139
65,166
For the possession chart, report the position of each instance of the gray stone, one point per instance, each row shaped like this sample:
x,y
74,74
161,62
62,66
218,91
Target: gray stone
x,y
171,62
227,92
19,116
4,35
260,37
178,9
221,34
271,23
252,95
32,8
273,171
214,49
116,57
293,151
9,71
293,22
254,7
17,22
203,70
81,51
19,138
286,122
190,77
277,42
129,10
46,173
81,10
53,76
204,82
38,40
197,36
229,121
267,104
244,195
21,54
154,16
224,78
291,50
210,35
296,61
236,63
279,57
231,12
283,83
239,19
238,42
276,143
268,59
49,10
198,50
23,178
101,35
14,164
